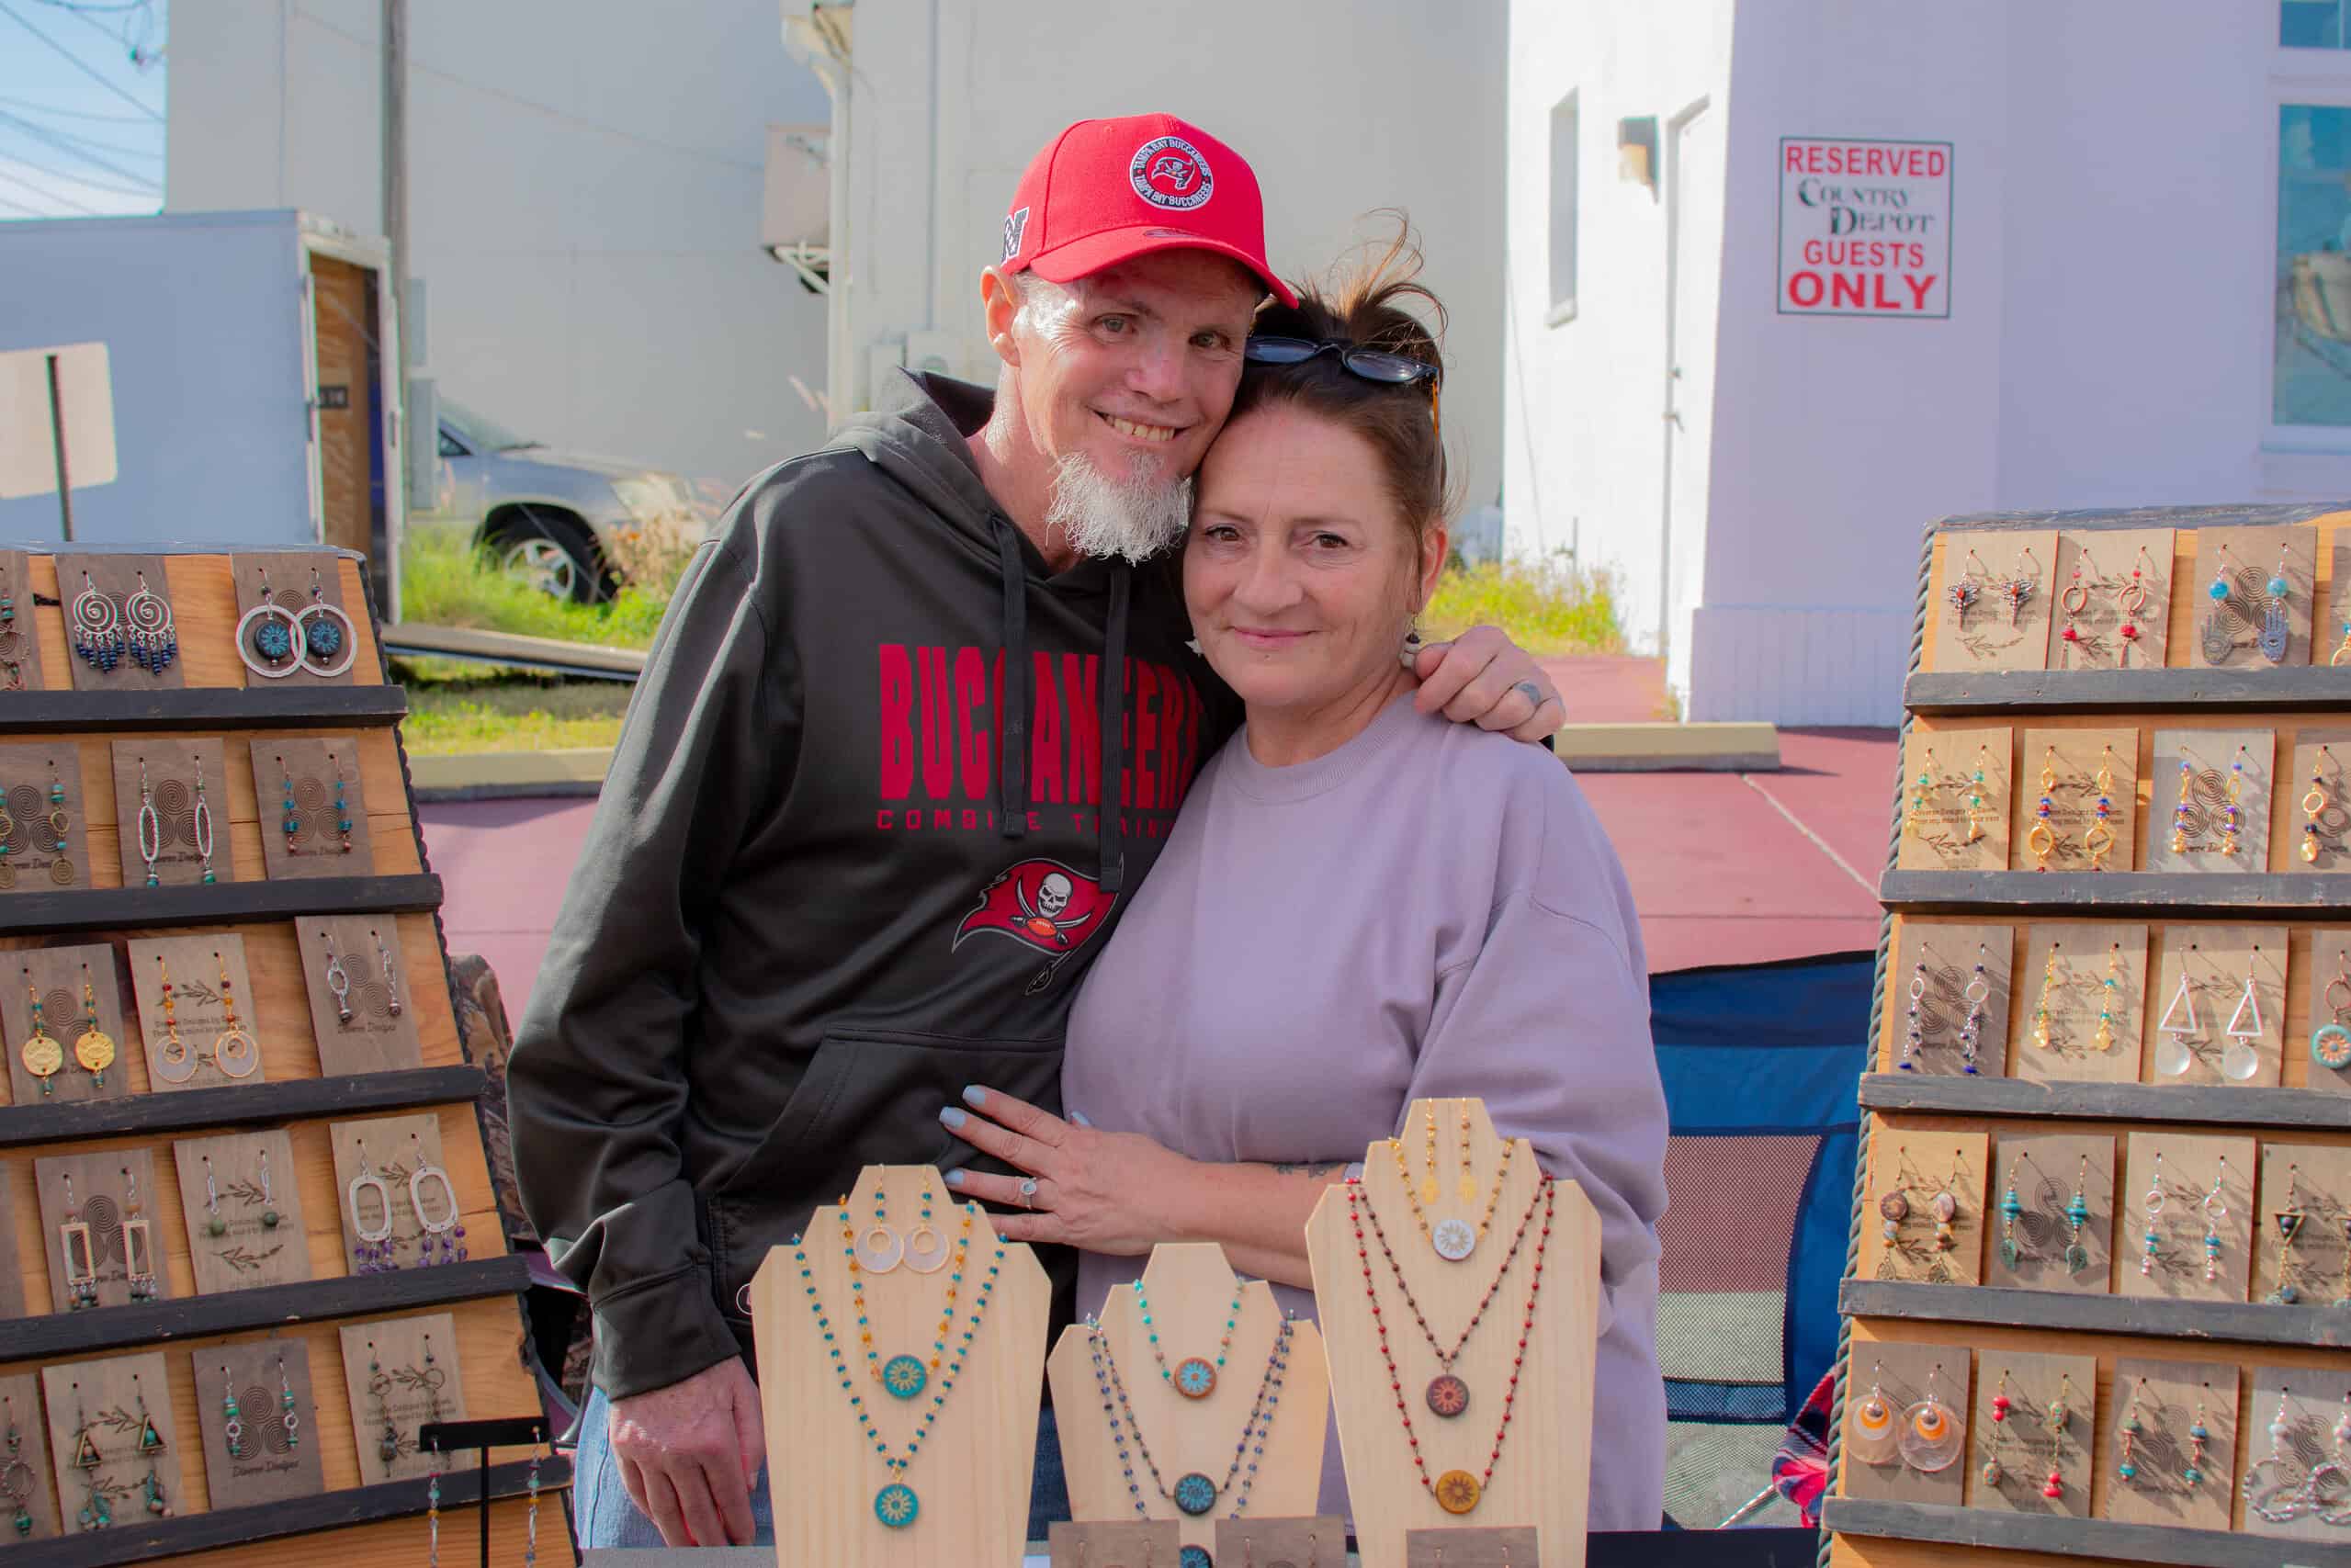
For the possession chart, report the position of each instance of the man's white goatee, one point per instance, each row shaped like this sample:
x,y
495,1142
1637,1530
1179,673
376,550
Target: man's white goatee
x,y
1136,517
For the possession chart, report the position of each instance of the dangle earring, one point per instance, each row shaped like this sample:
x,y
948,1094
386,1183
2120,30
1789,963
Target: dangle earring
x,y
1931,1435
342,807
2263,1497
2021,588
1467,1186
2131,600
289,817
2126,1442
1978,992
2241,1060
1945,1205
153,642
2329,1042
270,1217
2218,633
2199,1437
444,1236
380,1383
2074,600
2185,812
2289,1229
2041,1035
1876,1436
1991,1474
879,1247
266,635
150,1444
95,1513
137,1242
289,1420
1894,1207
392,981
150,826
11,644
372,1251
60,870
234,1051
2053,1422
1961,592
338,982
2314,804
2215,1211
1915,1038
174,1063
232,1428
531,1520
44,1058
2099,842
2042,840
926,1248
1918,794
2012,1209
2151,1205
326,632
97,628
2109,988
1975,797
2277,626
2175,1054
2077,1214
201,820
1428,1188
214,1225
80,1251
2232,815
93,1047
16,1477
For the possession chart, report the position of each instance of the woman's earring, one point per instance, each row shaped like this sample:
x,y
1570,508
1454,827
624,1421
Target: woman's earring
x,y
926,1249
2218,633
2042,840
2128,1443
2289,1228
446,1234
1877,1437
2175,1054
2198,1437
1931,1438
1409,655
2053,1420
2012,1209
1975,795
2077,1214
1914,1040
1961,592
2021,587
2099,840
1919,794
2215,1211
2075,599
2041,1035
2314,804
2241,1060
1978,992
879,1247
2152,1206
1991,1474
2131,600
2277,628
2232,815
2110,988
2331,1043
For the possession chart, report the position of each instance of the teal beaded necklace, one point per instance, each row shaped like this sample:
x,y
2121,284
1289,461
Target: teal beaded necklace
x,y
1194,1377
896,1505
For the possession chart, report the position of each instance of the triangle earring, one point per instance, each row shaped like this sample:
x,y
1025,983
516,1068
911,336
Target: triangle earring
x,y
2173,1054
2241,1059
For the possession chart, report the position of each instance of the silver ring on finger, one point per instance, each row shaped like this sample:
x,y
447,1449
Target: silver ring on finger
x,y
1028,1193
1534,693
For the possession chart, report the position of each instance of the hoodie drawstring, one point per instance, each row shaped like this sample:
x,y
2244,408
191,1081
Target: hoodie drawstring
x,y
1012,765
1111,839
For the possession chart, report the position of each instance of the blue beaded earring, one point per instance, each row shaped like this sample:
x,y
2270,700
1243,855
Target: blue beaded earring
x,y
2276,629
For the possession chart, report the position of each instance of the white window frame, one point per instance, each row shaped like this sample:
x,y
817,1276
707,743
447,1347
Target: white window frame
x,y
1559,311
2313,78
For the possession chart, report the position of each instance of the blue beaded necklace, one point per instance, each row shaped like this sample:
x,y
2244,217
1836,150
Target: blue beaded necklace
x,y
1194,1493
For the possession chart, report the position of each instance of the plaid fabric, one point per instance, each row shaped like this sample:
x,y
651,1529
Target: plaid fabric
x,y
1800,1470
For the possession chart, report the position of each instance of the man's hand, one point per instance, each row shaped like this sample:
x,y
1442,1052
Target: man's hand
x,y
1482,677
690,1453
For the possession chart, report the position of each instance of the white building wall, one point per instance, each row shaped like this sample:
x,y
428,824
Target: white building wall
x,y
585,183
1339,107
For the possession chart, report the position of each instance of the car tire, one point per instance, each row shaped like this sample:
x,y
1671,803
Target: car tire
x,y
554,553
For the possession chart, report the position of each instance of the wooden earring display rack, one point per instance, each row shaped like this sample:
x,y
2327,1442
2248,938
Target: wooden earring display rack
x,y
180,1341
2165,1056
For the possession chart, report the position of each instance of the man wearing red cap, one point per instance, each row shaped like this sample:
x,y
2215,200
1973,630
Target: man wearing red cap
x,y
914,730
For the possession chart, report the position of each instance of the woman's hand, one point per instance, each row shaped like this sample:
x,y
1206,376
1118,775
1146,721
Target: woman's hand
x,y
1085,1187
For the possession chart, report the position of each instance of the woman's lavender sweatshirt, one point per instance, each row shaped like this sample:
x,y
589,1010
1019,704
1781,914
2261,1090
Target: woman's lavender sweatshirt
x,y
1429,911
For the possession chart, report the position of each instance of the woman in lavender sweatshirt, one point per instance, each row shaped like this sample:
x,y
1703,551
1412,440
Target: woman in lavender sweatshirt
x,y
1360,905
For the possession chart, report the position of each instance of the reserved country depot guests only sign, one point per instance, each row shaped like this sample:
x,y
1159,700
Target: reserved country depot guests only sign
x,y
1865,227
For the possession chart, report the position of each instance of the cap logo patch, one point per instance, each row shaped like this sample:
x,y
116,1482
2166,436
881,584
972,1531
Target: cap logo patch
x,y
1168,172
1016,224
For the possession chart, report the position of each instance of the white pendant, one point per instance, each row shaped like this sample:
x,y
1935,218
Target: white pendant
x,y
1454,1239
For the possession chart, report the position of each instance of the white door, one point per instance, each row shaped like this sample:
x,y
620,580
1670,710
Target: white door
x,y
1694,265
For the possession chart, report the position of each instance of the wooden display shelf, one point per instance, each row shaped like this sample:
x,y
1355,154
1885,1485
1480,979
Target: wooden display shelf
x,y
2104,1539
202,708
460,1493
152,908
1944,1095
2248,893
57,1334
254,1105
2320,1324
2317,687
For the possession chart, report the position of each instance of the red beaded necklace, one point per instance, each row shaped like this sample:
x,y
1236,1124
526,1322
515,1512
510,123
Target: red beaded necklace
x,y
1456,1491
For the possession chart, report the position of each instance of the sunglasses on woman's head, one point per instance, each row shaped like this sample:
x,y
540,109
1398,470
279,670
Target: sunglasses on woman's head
x,y
1370,364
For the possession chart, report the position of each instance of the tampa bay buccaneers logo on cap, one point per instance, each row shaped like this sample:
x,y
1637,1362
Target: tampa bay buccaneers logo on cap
x,y
1041,904
1168,172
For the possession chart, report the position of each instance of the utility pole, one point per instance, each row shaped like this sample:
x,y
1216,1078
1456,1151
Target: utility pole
x,y
395,167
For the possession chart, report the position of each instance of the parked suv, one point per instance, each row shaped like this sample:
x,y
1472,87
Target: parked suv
x,y
546,514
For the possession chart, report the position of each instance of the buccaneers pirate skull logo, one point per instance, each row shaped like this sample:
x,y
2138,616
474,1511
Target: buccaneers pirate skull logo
x,y
1041,904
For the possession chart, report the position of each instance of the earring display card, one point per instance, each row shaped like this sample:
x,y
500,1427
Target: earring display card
x,y
2169,1399
111,1433
2303,1229
276,1453
296,642
401,1373
1306,1542
2119,604
25,1472
243,1210
359,995
2317,805
313,816
2250,625
1954,819
2207,771
2081,1019
87,1052
1129,1543
403,1152
1993,611
2073,771
2287,1488
2197,1202
2331,640
43,818
2219,1005
2040,1444
20,643
2045,1249
2327,1048
1905,1421
112,1226
209,984
1947,1008
1497,1548
165,819
119,623
1926,1220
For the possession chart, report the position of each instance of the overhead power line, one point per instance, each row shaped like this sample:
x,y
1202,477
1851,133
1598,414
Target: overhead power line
x,y
151,193
26,104
49,195
78,63
39,134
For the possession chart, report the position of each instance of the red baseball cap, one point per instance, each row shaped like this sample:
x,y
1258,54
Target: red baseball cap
x,y
1106,190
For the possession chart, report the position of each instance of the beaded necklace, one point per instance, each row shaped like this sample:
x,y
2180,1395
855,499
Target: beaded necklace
x,y
1447,1395
903,1377
1194,1493
1456,1491
1451,1240
1194,1377
896,1505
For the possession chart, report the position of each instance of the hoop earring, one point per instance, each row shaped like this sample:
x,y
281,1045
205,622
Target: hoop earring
x,y
2099,842
2314,803
323,631
1930,1437
445,1235
879,1247
97,628
2042,840
926,1249
1876,1439
265,635
201,820
373,1248
234,1051
2131,600
2074,600
150,826
174,1063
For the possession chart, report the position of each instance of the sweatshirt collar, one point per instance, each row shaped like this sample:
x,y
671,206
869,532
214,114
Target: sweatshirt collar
x,y
1319,775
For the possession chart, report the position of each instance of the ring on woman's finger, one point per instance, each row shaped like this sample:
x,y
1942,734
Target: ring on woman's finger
x,y
1028,1193
1534,693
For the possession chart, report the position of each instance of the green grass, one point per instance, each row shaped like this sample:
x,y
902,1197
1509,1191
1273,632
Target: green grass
x,y
445,584
1549,606
454,707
